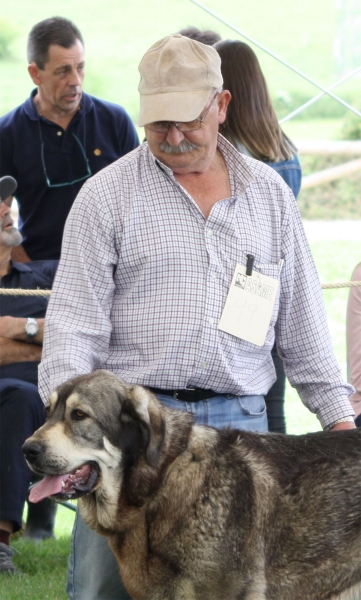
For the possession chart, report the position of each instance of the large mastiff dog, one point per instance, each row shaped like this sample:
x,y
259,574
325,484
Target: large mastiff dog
x,y
193,513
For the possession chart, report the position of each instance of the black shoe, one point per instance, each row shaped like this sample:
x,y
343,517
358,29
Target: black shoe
x,y
41,520
6,563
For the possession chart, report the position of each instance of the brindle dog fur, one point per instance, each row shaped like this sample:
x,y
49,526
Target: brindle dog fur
x,y
193,513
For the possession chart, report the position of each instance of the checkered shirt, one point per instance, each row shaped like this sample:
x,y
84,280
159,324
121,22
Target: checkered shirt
x,y
144,276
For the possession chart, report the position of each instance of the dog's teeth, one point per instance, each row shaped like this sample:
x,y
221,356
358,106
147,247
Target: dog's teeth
x,y
63,484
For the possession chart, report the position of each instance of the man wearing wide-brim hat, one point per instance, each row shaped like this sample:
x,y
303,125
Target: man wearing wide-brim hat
x,y
154,246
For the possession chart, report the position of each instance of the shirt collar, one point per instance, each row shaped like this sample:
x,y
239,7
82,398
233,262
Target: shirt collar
x,y
21,267
86,105
16,266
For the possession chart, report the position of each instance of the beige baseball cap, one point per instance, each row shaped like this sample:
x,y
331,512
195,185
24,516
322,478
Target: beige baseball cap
x,y
177,76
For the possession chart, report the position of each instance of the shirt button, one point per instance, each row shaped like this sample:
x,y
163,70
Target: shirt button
x,y
214,275
211,321
210,232
59,133
204,365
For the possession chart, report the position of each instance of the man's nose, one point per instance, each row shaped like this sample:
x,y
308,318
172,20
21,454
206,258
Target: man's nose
x,y
75,78
174,136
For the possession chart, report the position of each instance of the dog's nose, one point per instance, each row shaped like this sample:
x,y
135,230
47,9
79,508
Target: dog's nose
x,y
32,450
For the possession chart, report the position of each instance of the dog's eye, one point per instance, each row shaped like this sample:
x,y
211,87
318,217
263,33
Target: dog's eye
x,y
78,415
47,409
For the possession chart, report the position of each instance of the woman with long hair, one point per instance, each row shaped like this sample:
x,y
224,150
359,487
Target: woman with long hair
x,y
252,127
251,124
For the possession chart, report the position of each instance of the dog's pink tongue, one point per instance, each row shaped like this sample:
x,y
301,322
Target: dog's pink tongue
x,y
51,484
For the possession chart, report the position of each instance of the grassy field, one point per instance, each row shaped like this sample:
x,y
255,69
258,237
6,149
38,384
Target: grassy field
x,y
117,34
43,565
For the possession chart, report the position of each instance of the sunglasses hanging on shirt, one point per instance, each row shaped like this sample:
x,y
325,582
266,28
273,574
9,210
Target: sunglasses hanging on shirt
x,y
87,174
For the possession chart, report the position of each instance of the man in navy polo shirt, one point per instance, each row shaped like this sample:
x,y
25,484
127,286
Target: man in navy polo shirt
x,y
58,137
21,408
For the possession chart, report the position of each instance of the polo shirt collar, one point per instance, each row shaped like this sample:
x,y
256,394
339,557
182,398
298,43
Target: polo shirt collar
x,y
21,267
15,266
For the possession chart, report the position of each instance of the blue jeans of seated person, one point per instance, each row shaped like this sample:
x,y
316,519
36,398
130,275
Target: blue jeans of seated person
x,y
93,570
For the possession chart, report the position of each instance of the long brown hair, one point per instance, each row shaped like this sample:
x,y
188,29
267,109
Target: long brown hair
x,y
251,118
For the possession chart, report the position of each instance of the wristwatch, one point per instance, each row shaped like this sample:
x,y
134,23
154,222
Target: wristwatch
x,y
31,330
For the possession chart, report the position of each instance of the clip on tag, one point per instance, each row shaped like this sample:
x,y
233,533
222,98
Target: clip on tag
x,y
249,266
249,306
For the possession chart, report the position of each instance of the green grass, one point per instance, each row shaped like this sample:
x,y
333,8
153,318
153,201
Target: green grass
x,y
43,565
313,129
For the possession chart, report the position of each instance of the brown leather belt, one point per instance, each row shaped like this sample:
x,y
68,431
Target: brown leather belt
x,y
187,395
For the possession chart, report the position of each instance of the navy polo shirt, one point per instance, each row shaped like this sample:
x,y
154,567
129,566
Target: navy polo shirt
x,y
100,131
30,276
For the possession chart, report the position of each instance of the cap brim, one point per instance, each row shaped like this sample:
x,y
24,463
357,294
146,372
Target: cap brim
x,y
171,106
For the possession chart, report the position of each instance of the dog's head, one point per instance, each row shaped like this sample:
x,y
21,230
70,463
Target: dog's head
x,y
97,427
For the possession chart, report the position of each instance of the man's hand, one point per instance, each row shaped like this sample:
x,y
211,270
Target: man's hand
x,y
12,351
12,328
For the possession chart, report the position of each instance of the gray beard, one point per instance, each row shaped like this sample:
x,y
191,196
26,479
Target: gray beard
x,y
182,148
11,238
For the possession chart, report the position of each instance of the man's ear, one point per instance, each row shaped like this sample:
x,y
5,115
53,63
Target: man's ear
x,y
33,71
224,99
146,409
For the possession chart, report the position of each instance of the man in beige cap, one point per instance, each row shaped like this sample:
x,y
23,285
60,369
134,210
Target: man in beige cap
x,y
181,263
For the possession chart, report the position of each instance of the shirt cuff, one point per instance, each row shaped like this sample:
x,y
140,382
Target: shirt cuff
x,y
334,411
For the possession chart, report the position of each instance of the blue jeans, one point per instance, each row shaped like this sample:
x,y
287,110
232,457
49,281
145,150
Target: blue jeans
x,y
93,570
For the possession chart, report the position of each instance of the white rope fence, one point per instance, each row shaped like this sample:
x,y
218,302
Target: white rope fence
x,y
21,292
345,284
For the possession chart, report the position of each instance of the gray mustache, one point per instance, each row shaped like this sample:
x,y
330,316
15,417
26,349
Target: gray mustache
x,y
183,146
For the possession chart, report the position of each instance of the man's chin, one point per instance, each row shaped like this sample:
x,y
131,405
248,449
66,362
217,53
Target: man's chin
x,y
178,163
70,103
11,238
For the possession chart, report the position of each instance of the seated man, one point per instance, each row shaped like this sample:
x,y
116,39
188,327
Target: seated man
x,y
21,409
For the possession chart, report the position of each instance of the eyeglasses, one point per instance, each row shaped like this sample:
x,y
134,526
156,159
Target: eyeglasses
x,y
184,127
86,161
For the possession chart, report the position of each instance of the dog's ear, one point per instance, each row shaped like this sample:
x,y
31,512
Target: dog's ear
x,y
148,412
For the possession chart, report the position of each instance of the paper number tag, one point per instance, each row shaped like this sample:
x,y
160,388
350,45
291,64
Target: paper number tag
x,y
249,305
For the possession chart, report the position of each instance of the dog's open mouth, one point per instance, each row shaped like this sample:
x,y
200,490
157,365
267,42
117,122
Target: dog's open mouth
x,y
67,486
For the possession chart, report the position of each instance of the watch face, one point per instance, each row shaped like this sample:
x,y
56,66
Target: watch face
x,y
32,329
